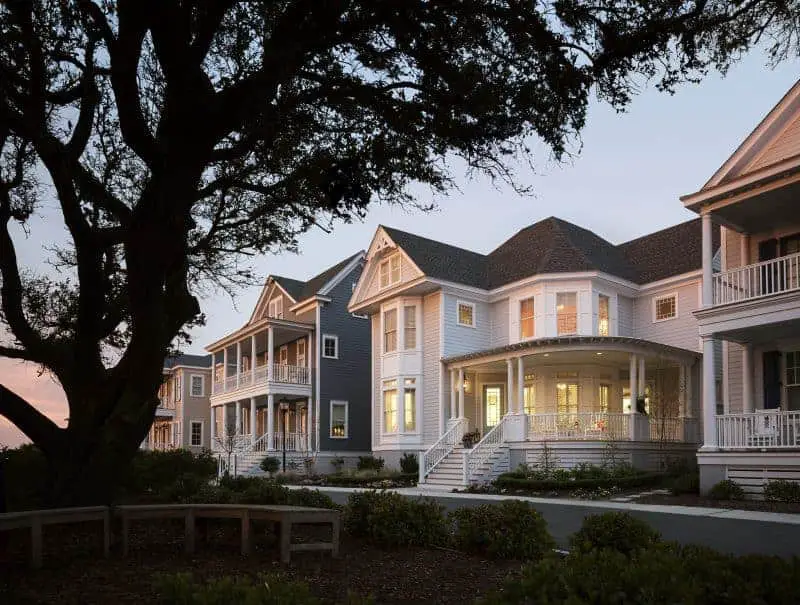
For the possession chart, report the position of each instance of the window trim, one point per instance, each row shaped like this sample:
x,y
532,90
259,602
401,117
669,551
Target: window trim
x,y
661,297
336,340
346,405
601,296
301,341
202,432
178,386
405,306
273,302
202,385
466,303
388,261
577,313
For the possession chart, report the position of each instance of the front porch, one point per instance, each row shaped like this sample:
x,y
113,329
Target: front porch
x,y
164,435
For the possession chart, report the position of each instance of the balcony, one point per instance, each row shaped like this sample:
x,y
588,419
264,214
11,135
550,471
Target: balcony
x,y
759,280
760,430
165,409
282,374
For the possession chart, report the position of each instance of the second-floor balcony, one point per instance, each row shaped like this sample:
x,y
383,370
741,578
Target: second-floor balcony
x,y
758,280
279,374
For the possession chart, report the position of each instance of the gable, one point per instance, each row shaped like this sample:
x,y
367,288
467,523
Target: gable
x,y
784,146
370,282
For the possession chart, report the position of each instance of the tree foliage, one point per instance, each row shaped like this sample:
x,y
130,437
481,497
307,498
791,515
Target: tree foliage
x,y
179,136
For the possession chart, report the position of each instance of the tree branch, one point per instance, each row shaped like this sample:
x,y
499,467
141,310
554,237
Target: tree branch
x,y
38,427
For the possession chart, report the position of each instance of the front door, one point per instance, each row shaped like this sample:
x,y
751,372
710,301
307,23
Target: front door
x,y
492,406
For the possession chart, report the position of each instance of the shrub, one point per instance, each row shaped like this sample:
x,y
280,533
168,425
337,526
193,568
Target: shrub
x,y
613,531
409,464
270,464
513,481
371,479
511,529
182,589
370,463
781,490
688,483
337,464
388,519
25,470
313,498
167,475
726,490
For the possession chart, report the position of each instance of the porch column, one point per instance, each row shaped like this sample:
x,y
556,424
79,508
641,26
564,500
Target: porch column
x,y
309,424
253,433
238,430
510,387
253,358
744,249
270,421
461,392
212,428
520,386
747,378
213,373
238,362
709,396
224,366
224,420
708,257
642,388
401,404
270,346
634,384
452,394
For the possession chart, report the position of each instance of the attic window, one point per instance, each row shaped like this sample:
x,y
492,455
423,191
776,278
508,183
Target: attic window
x,y
276,308
390,271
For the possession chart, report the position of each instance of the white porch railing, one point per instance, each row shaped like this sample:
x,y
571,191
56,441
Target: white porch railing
x,y
442,448
227,465
291,374
683,430
481,452
285,374
593,426
764,429
295,442
261,374
776,276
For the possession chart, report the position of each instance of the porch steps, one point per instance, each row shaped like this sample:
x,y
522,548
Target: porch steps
x,y
449,473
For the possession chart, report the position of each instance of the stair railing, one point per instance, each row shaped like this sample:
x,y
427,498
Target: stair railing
x,y
474,458
442,448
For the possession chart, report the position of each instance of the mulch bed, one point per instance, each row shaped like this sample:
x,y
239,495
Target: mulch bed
x,y
76,573
695,500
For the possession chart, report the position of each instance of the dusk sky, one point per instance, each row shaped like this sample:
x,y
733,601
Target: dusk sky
x,y
625,183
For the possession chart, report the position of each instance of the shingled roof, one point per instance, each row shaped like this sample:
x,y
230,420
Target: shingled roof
x,y
554,245
198,361
301,290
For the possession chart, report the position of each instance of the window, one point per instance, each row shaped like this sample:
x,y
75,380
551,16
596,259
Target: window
x,y
602,315
526,329
410,405
339,419
198,386
283,355
410,326
493,400
793,368
390,271
567,313
330,346
196,430
390,331
603,395
178,385
276,308
529,398
465,314
665,307
390,406
567,398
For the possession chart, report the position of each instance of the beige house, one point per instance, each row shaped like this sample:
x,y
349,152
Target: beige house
x,y
183,417
752,306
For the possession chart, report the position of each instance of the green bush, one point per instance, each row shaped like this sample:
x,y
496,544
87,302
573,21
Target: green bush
x,y
513,481
370,478
726,490
613,531
781,490
25,477
313,498
370,463
182,589
389,519
511,529
167,476
409,464
688,483
337,464
270,464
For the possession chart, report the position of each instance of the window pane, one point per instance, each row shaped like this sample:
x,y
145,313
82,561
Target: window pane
x,y
395,269
567,398
338,420
603,396
665,307
492,396
526,327
390,331
390,411
197,386
410,323
329,346
567,312
384,270
197,434
602,316
465,314
410,410
529,399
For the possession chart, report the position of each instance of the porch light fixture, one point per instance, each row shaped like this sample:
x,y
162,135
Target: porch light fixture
x,y
599,353
547,354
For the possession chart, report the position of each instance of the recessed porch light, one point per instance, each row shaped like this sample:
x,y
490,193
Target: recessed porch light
x,y
547,354
599,353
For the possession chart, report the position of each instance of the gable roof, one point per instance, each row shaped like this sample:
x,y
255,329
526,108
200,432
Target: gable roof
x,y
554,245
301,290
200,361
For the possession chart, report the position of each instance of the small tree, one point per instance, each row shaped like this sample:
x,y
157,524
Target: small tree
x,y
270,465
228,444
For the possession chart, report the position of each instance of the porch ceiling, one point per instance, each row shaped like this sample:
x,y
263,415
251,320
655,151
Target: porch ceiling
x,y
762,211
765,333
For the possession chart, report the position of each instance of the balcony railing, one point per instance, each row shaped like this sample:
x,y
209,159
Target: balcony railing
x,y
591,426
768,278
286,374
764,429
291,374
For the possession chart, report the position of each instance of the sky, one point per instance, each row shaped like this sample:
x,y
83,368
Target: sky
x,y
625,183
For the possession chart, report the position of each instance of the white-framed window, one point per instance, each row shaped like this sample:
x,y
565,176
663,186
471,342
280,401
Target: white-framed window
x,y
792,368
276,308
197,385
526,321
567,313
410,326
603,397
283,355
178,386
389,270
465,314
603,302
301,353
330,346
390,406
665,307
196,433
410,405
390,330
529,394
339,415
360,315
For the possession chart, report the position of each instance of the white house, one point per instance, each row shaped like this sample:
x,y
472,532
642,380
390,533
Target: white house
x,y
752,306
549,338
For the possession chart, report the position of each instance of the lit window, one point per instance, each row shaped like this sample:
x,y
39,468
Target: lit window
x,y
526,328
666,307
603,395
196,434
339,419
198,386
567,313
276,308
466,314
390,406
410,405
390,271
493,398
330,346
567,398
529,398
390,331
410,325
602,315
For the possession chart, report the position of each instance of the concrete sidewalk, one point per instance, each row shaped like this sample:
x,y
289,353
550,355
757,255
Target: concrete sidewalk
x,y
734,531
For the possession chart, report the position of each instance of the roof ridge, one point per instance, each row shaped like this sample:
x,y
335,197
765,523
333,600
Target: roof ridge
x,y
651,234
429,239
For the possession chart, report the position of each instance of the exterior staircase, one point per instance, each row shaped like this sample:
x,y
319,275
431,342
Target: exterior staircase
x,y
449,473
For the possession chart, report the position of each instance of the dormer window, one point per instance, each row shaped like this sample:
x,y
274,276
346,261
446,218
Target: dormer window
x,y
390,271
276,308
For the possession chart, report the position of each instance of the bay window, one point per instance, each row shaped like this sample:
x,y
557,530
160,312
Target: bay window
x,y
390,331
526,327
410,404
410,326
567,313
390,406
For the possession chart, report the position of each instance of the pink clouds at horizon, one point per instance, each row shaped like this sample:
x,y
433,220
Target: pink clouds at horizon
x,y
43,391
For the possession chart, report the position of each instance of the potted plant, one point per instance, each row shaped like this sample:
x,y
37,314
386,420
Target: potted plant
x,y
471,438
640,405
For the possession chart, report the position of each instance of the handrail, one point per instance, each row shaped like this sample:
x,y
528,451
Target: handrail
x,y
442,448
761,429
757,280
482,451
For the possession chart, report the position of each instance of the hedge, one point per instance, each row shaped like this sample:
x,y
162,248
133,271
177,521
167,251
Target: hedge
x,y
360,481
515,481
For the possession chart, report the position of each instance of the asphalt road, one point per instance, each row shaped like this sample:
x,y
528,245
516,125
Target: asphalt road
x,y
735,532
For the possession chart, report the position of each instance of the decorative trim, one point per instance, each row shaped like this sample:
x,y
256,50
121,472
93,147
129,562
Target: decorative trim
x,y
661,297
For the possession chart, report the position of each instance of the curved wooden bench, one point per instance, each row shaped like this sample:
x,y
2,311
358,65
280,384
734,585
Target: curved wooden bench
x,y
285,515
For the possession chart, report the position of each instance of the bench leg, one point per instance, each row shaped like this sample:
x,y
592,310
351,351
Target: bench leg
x,y
189,531
126,527
36,543
286,539
335,530
246,532
107,534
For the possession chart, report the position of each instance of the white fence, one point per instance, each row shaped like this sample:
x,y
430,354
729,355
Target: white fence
x,y
764,429
776,276
282,373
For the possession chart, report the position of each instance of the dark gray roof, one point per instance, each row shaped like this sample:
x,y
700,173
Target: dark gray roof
x,y
554,245
199,361
300,290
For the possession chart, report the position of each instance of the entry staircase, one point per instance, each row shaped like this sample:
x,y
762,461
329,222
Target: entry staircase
x,y
243,458
448,465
